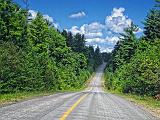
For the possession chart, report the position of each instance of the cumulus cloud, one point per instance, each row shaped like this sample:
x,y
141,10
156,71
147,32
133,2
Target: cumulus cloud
x,y
32,14
75,30
140,30
89,30
113,39
98,40
78,15
48,18
105,35
104,46
108,50
56,25
117,22
94,27
118,12
93,35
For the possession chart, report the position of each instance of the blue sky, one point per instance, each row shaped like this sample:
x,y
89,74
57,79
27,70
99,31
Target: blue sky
x,y
97,19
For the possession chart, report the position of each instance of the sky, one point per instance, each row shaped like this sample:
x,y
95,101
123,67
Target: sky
x,y
100,21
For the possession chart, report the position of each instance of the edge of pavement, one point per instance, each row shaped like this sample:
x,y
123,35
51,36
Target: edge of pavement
x,y
25,96
151,110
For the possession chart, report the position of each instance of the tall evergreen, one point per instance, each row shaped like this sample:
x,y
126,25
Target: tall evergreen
x,y
79,43
152,24
136,63
125,48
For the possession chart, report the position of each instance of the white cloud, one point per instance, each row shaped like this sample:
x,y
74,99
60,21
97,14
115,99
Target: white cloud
x,y
92,30
98,40
118,12
48,18
117,22
94,27
93,35
106,50
32,14
105,35
140,30
78,15
113,39
56,25
75,30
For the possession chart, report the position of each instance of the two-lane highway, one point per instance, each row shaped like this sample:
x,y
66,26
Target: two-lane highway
x,y
91,104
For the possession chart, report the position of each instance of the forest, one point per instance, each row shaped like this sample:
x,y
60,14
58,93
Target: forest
x,y
134,65
34,56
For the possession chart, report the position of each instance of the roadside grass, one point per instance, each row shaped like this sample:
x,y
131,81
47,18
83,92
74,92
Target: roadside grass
x,y
148,103
89,80
10,98
82,87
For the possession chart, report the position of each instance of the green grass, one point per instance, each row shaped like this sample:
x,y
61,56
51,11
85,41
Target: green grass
x,y
15,97
82,87
149,103
19,96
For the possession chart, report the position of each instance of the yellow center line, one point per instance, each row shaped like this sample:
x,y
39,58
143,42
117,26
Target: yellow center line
x,y
65,115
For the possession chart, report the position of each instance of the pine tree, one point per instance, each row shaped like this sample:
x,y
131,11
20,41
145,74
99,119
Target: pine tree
x,y
79,43
97,57
69,38
125,48
38,35
152,23
129,40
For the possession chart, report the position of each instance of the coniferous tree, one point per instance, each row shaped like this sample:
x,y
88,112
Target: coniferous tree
x,y
69,38
97,57
79,43
152,24
125,48
136,63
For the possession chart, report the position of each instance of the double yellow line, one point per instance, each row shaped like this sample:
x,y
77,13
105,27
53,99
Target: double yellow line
x,y
65,115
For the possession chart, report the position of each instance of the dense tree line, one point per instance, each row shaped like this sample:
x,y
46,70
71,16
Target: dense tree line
x,y
134,65
77,44
35,56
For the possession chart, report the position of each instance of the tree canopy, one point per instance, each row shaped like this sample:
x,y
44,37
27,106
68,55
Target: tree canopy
x,y
35,56
134,65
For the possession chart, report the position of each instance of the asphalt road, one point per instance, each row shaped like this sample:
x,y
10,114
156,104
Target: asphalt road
x,y
91,104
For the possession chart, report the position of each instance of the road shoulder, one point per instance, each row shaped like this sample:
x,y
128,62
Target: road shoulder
x,y
146,103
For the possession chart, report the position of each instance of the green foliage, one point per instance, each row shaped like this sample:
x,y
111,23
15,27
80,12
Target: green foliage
x,y
125,48
152,24
10,65
141,74
97,57
12,20
77,44
134,66
36,57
